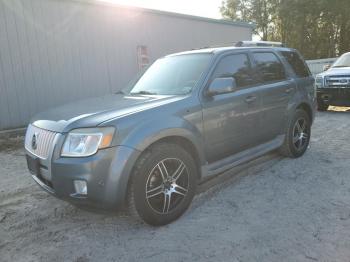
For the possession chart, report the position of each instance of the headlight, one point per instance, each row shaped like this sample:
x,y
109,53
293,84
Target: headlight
x,y
86,141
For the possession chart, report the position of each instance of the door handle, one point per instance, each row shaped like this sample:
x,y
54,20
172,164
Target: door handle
x,y
250,99
289,90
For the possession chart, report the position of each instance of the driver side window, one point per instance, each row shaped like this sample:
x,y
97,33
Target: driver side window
x,y
237,66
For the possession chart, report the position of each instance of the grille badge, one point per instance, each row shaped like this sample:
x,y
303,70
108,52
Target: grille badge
x,y
35,141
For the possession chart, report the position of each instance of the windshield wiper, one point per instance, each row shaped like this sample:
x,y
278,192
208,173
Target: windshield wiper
x,y
341,66
143,92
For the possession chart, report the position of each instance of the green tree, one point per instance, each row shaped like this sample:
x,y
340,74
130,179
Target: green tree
x,y
318,28
257,11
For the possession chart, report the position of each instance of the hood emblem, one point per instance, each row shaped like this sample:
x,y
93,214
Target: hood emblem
x,y
35,141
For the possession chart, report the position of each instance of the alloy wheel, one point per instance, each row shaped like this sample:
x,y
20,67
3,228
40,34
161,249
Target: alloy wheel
x,y
300,134
167,185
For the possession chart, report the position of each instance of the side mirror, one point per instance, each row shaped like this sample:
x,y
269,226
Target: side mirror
x,y
222,86
326,67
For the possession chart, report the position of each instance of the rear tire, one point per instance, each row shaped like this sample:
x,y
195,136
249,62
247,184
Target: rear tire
x,y
298,135
163,184
321,106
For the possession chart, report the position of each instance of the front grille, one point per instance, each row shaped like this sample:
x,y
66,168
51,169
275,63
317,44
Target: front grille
x,y
39,141
338,81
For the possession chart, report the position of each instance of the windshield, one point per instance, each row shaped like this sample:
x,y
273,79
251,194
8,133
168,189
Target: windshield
x,y
174,75
343,61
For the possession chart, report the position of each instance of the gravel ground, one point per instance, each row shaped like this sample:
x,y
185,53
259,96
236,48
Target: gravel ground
x,y
277,209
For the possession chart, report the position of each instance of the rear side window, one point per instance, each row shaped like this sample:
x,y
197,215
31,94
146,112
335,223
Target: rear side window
x,y
269,67
296,63
237,66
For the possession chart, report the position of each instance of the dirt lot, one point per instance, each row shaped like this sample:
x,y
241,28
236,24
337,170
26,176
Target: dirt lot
x,y
276,210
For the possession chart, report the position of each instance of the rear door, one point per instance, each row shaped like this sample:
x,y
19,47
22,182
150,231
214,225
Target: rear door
x,y
231,120
276,90
302,75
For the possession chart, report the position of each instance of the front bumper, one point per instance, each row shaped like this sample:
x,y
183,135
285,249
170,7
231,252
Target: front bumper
x,y
334,96
106,174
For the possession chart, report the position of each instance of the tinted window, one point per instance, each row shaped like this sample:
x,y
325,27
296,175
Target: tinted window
x,y
236,66
269,66
296,63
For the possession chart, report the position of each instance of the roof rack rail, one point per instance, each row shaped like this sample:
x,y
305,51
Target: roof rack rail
x,y
213,46
259,43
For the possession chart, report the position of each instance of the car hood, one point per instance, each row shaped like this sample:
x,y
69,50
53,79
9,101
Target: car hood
x,y
336,71
94,111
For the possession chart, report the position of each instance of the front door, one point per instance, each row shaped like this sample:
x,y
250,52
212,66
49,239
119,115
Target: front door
x,y
231,121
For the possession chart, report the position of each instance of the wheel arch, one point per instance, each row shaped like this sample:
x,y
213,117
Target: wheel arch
x,y
186,144
307,109
173,130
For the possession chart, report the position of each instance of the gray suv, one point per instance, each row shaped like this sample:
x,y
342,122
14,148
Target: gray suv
x,y
189,117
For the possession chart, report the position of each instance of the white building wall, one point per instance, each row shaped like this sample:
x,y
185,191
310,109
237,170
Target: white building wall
x,y
57,51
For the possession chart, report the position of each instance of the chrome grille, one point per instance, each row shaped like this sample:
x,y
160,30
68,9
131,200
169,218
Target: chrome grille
x,y
44,140
338,81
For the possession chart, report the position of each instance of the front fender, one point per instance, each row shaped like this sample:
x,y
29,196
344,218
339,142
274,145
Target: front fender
x,y
152,131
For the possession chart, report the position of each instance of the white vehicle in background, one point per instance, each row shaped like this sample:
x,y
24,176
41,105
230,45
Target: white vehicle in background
x,y
333,85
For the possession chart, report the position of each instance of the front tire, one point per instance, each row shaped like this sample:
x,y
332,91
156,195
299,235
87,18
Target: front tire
x,y
321,106
297,135
163,184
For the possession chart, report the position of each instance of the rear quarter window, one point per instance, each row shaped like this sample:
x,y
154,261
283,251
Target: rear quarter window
x,y
297,63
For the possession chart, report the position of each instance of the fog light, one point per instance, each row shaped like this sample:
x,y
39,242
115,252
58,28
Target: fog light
x,y
80,187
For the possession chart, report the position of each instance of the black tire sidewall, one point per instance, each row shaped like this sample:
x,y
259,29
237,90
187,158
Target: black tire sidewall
x,y
321,106
146,164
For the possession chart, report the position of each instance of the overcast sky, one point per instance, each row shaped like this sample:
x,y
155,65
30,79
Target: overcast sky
x,y
206,8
